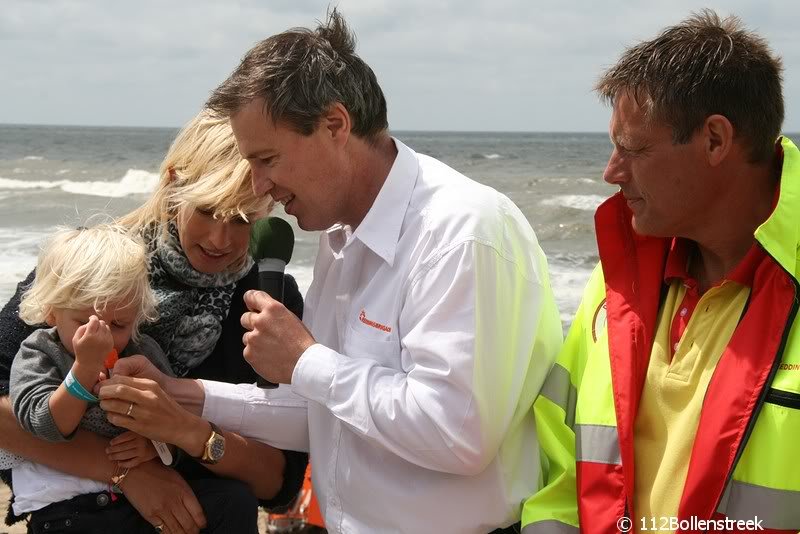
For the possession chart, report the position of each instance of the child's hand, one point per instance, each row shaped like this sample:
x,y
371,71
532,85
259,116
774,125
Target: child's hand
x,y
130,449
92,342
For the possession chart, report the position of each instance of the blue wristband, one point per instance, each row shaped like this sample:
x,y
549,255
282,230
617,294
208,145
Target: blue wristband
x,y
77,390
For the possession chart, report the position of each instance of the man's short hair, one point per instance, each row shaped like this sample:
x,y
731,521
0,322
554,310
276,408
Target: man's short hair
x,y
700,67
300,73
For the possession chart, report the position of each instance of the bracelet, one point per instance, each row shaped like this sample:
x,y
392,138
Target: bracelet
x,y
115,486
77,390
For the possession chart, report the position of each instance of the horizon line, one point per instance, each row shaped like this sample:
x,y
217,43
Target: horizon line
x,y
400,130
65,125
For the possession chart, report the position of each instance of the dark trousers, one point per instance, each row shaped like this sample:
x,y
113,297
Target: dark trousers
x,y
513,529
229,506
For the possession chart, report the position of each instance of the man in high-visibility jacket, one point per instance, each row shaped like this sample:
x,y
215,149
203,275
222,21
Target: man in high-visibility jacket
x,y
675,402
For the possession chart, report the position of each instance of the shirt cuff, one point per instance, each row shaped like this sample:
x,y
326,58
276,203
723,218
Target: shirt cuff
x,y
313,375
224,404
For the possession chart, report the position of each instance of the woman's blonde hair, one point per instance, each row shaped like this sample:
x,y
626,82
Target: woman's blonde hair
x,y
90,268
202,170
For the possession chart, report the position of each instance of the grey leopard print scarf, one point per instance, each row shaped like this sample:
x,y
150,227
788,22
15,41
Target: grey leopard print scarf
x,y
191,305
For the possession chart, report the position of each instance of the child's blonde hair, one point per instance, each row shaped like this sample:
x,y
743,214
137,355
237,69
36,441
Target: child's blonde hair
x,y
90,268
204,170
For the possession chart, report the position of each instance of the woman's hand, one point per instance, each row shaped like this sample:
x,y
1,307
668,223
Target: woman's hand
x,y
141,405
163,497
130,449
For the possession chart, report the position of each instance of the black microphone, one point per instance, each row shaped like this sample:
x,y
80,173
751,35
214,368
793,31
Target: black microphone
x,y
271,246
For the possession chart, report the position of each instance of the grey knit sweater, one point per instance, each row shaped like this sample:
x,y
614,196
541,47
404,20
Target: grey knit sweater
x,y
40,367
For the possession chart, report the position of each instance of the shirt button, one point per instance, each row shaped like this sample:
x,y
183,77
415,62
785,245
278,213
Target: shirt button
x,y
68,523
684,311
102,499
675,347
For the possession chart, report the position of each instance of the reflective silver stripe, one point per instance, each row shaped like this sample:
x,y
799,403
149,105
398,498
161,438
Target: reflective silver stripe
x,y
549,527
777,509
596,443
558,389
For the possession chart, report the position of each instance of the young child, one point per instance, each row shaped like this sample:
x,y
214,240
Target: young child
x,y
92,289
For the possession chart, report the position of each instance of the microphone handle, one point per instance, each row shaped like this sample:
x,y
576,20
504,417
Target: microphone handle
x,y
271,283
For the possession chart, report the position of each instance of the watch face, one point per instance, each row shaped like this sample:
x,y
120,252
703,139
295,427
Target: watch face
x,y
217,448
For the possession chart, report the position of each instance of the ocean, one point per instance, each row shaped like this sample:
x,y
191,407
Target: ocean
x,y
63,175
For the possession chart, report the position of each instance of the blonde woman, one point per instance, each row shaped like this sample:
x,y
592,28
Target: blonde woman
x,y
197,227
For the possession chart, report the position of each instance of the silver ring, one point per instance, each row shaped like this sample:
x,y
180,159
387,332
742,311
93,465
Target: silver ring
x,y
159,528
128,413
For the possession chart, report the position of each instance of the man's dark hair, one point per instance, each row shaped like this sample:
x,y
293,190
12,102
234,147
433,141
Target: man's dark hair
x,y
700,67
300,73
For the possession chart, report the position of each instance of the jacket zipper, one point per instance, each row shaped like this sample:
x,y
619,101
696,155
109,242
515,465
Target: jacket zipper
x,y
765,393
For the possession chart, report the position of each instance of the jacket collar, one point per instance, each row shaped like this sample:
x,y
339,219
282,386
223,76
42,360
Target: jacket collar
x,y
780,233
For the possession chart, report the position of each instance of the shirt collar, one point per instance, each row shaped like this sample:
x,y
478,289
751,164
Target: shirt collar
x,y
380,229
677,265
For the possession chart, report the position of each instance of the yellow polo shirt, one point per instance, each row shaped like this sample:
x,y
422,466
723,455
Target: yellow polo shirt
x,y
691,334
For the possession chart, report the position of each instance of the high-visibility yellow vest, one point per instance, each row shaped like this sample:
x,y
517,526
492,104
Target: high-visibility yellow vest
x,y
745,463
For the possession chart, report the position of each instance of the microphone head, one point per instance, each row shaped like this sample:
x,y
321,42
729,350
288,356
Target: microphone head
x,y
271,237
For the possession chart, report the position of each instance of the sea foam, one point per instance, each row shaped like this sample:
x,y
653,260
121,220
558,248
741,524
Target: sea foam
x,y
578,202
135,182
20,247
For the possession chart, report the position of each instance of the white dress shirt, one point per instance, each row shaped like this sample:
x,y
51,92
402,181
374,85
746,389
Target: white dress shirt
x,y
435,327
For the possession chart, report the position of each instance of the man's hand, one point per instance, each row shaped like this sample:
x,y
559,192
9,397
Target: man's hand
x,y
163,497
275,339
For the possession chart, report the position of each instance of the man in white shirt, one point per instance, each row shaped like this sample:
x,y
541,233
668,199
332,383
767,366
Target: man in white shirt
x,y
430,324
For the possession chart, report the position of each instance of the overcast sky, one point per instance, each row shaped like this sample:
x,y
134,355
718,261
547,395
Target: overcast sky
x,y
507,65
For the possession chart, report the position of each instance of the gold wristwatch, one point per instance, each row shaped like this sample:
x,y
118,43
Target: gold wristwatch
x,y
215,446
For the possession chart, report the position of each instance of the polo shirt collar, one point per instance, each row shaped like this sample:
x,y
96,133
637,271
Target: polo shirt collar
x,y
677,264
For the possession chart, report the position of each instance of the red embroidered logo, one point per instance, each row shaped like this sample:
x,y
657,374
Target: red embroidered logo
x,y
363,318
